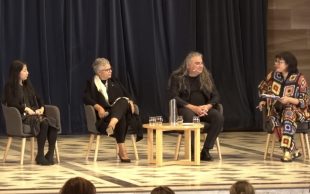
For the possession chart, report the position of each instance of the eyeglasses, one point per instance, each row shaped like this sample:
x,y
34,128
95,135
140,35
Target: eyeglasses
x,y
279,61
105,70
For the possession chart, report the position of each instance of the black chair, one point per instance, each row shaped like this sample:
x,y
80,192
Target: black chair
x,y
303,128
15,128
218,146
94,133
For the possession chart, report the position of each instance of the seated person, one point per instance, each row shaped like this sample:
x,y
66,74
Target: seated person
x,y
196,95
19,93
113,104
291,87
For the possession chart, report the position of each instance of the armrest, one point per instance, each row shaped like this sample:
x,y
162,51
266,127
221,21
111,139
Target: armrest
x,y
53,112
91,118
13,121
220,108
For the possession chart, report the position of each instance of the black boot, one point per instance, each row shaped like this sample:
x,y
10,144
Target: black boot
x,y
50,157
205,155
41,160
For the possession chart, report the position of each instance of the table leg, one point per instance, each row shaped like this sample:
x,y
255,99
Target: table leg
x,y
150,156
197,147
159,147
187,144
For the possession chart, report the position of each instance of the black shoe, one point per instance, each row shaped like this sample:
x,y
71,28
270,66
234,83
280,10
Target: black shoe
x,y
50,157
205,155
124,160
41,160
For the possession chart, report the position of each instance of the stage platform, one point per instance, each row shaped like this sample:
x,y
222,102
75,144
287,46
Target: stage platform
x,y
242,160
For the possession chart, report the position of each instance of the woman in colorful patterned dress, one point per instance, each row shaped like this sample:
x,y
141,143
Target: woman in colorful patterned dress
x,y
292,105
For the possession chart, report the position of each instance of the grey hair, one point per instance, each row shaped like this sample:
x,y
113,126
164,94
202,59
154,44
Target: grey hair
x,y
205,78
100,62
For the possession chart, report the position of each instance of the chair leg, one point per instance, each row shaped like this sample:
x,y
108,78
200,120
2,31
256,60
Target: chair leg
x,y
302,140
177,149
97,147
32,140
267,146
90,143
57,152
307,145
218,146
22,152
133,139
8,145
116,151
272,144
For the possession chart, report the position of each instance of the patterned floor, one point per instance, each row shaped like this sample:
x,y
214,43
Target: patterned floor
x,y
242,159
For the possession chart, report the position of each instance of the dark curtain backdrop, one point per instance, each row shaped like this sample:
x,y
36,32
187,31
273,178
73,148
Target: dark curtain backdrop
x,y
145,41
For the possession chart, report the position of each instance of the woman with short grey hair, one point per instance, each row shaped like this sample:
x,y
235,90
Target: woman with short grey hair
x,y
112,102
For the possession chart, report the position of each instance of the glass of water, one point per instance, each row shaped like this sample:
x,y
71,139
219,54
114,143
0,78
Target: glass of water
x,y
180,120
196,119
159,120
152,121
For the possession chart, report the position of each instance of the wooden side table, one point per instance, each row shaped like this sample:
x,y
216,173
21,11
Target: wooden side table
x,y
186,128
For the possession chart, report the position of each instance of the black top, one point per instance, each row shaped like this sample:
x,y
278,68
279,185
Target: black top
x,y
191,93
114,89
22,98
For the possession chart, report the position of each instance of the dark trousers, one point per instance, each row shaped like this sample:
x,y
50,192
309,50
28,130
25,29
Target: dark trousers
x,y
215,120
119,110
49,133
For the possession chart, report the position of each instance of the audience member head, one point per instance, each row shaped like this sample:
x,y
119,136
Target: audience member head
x,y
242,187
162,190
78,185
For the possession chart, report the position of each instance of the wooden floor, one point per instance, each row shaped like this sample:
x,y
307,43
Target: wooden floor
x,y
242,159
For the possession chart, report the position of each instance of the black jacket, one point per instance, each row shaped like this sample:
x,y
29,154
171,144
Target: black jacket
x,y
182,95
16,98
92,96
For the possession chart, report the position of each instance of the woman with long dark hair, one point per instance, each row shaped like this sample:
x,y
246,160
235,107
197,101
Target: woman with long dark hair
x,y
196,95
291,105
19,93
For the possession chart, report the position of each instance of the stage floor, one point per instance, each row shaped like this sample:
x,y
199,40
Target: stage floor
x,y
242,160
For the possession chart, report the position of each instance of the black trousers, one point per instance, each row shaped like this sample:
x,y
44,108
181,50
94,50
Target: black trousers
x,y
215,120
119,110
49,133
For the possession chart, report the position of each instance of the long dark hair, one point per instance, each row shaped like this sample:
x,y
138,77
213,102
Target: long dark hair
x,y
205,77
13,79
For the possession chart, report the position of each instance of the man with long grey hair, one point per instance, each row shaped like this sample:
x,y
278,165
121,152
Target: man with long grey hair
x,y
193,88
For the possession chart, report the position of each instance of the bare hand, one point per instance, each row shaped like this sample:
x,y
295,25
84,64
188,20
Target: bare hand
x,y
29,111
285,100
199,110
261,105
101,113
40,111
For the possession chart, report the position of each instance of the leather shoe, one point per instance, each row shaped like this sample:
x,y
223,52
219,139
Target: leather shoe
x,y
205,155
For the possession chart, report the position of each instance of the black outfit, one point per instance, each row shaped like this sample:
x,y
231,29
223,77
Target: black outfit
x,y
120,109
41,126
190,92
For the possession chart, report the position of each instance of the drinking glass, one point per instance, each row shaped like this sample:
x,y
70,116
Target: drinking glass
x,y
179,120
196,119
159,120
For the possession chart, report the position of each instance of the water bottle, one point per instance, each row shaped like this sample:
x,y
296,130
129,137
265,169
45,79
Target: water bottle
x,y
172,112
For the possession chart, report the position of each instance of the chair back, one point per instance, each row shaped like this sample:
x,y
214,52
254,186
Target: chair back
x,y
13,121
91,119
